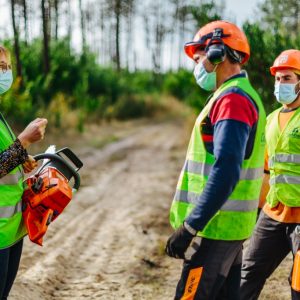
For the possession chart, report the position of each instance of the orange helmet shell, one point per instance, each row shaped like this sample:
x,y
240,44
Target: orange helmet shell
x,y
236,40
288,59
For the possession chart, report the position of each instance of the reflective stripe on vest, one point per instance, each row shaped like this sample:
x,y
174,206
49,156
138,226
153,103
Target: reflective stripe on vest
x,y
9,211
288,179
229,205
10,179
284,158
204,169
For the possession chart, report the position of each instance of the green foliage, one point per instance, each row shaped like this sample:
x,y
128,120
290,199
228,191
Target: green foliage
x,y
77,89
258,65
17,106
277,31
76,82
128,107
179,84
182,86
206,12
281,17
265,47
31,57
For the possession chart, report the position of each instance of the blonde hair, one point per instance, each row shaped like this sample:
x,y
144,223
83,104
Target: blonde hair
x,y
296,71
4,51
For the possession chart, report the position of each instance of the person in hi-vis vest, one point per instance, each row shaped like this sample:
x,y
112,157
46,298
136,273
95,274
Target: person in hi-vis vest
x,y
215,205
276,233
14,161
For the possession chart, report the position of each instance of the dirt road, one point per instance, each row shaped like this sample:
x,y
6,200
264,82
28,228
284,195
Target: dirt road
x,y
109,242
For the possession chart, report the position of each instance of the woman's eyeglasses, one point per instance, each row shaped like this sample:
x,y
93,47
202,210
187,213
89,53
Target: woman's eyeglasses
x,y
4,67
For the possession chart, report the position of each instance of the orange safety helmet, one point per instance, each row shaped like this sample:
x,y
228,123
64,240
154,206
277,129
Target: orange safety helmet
x,y
288,59
232,36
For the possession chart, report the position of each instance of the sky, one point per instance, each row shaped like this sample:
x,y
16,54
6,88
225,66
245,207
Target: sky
x,y
242,9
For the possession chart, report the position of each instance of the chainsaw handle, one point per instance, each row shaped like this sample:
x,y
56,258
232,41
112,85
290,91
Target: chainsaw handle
x,y
56,157
71,155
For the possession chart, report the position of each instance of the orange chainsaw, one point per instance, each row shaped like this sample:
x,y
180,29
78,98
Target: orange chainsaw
x,y
48,191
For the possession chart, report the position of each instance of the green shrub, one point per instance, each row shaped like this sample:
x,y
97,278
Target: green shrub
x,y
130,107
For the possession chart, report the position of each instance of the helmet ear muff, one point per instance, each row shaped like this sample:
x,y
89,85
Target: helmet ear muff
x,y
215,53
215,49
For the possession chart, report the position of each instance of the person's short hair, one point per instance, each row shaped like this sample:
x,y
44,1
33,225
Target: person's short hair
x,y
234,56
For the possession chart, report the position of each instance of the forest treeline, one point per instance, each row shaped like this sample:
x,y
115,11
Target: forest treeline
x,y
131,55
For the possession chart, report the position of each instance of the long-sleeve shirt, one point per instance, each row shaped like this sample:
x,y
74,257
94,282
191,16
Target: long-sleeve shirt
x,y
228,133
13,156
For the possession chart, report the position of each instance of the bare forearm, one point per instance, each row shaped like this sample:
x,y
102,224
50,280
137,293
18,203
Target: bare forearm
x,y
264,190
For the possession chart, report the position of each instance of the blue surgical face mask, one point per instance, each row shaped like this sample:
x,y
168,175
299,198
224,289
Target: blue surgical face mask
x,y
285,92
207,81
6,80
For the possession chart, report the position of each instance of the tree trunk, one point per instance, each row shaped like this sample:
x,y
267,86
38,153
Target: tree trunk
x,y
297,17
16,40
82,23
56,6
118,16
102,45
25,16
45,18
159,37
69,24
146,56
129,40
181,38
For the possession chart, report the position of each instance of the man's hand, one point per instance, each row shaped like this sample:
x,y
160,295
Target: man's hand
x,y
178,242
29,164
34,132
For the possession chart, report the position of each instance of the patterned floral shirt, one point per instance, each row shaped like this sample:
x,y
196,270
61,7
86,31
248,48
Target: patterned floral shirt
x,y
13,156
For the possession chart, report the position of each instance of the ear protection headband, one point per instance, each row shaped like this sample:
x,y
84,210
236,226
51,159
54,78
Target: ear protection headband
x,y
216,49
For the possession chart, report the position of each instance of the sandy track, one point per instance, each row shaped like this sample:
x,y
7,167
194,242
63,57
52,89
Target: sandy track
x,y
109,242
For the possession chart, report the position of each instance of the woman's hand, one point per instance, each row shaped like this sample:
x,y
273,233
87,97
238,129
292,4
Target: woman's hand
x,y
29,164
34,132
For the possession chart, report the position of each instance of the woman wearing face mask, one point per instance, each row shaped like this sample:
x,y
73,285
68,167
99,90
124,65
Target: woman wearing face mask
x,y
276,233
14,161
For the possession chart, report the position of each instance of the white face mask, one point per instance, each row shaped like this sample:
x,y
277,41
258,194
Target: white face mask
x,y
285,92
6,80
207,81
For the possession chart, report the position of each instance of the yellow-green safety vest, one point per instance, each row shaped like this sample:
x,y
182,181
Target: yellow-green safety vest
x,y
236,218
12,228
284,160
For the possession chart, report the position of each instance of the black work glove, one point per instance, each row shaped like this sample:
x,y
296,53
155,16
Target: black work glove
x,y
258,213
178,242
